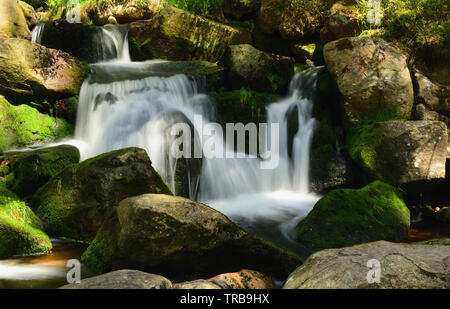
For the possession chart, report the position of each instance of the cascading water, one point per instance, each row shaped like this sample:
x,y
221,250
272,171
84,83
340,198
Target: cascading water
x,y
36,34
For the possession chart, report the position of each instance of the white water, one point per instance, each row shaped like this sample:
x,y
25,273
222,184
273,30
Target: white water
x,y
36,34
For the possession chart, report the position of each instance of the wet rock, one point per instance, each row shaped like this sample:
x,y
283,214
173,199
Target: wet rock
x,y
251,68
345,217
372,77
12,21
179,237
75,202
402,266
122,279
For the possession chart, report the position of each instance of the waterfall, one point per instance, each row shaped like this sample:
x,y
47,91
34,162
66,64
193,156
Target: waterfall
x,y
130,104
36,34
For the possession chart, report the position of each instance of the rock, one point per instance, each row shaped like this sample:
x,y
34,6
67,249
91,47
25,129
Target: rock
x,y
179,237
122,11
270,15
372,77
30,14
422,112
402,266
31,72
434,96
257,70
304,52
122,279
20,230
237,9
243,279
36,3
22,126
346,217
75,202
342,21
303,18
179,35
12,21
400,152
32,169
196,285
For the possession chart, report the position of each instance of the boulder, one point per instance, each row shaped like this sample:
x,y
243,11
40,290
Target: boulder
x,y
270,15
372,77
122,279
179,35
402,266
31,72
251,68
303,18
345,217
401,152
238,9
20,230
243,279
32,169
22,126
75,202
121,11
179,237
30,14
342,21
434,96
12,21
196,285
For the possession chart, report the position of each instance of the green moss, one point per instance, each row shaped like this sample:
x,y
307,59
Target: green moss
x,y
346,217
20,230
23,125
207,8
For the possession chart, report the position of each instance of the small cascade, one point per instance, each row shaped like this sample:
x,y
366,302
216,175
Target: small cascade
x,y
37,33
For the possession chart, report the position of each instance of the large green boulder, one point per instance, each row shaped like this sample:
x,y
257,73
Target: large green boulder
x,y
32,169
251,68
346,217
33,73
400,152
20,230
175,34
23,125
372,76
75,202
12,20
177,237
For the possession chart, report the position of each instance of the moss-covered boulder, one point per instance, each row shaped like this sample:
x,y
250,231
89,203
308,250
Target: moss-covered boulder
x,y
175,34
75,202
12,20
32,169
251,68
346,217
31,72
179,238
400,152
372,75
23,125
20,230
30,14
343,21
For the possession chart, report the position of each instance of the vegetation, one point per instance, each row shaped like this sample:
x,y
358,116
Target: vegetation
x,y
199,7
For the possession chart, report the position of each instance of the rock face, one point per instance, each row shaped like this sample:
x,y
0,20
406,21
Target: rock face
x,y
20,230
342,21
238,9
257,70
12,21
32,169
30,14
179,35
401,151
23,125
372,77
345,217
122,279
31,72
75,202
121,11
434,96
179,237
402,266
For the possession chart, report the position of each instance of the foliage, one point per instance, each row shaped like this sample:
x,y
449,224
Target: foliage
x,y
200,7
412,22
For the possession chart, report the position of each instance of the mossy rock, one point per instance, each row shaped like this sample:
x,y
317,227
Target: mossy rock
x,y
180,238
75,202
20,230
346,217
23,125
32,169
